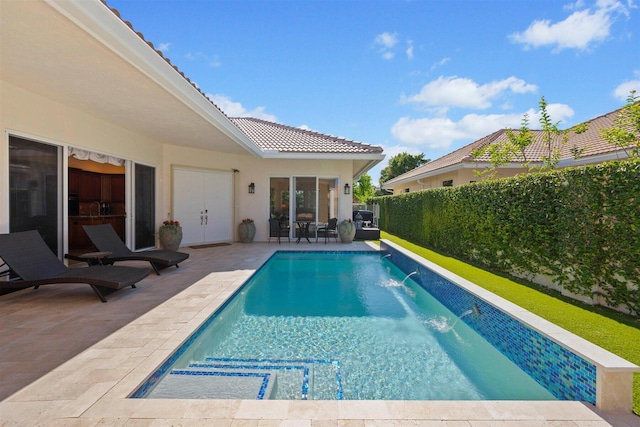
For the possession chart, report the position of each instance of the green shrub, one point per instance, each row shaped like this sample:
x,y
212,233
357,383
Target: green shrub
x,y
580,226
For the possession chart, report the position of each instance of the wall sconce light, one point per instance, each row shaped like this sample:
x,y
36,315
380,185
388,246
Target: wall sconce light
x,y
347,189
252,188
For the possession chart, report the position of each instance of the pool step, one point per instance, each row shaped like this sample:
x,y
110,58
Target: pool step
x,y
297,378
204,383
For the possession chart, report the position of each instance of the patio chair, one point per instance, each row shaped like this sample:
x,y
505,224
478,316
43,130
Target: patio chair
x,y
278,229
28,257
105,239
328,230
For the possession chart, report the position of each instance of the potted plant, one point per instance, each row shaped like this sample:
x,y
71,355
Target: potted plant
x,y
247,230
170,234
347,231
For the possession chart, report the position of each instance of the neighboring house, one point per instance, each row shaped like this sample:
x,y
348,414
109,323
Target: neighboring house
x,y
460,167
98,126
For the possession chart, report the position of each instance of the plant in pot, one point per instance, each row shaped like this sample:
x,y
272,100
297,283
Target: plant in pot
x,y
170,235
347,230
247,230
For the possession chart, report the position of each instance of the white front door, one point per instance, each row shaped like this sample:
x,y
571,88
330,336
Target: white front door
x,y
203,203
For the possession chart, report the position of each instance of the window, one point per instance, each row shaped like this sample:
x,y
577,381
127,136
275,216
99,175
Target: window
x,y
447,183
406,190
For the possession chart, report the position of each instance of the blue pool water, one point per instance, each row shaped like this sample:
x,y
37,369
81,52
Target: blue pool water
x,y
340,325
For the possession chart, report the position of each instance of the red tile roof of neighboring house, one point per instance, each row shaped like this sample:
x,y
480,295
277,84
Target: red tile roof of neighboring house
x,y
590,141
274,136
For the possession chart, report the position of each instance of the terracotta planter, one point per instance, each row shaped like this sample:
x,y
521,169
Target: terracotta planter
x,y
246,231
170,237
346,231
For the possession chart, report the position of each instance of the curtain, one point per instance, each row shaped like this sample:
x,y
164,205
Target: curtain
x,y
96,157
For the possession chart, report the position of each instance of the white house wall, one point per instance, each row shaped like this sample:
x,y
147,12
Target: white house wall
x,y
259,171
29,115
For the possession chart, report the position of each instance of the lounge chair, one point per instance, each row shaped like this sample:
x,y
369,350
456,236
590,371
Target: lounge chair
x,y
105,239
28,257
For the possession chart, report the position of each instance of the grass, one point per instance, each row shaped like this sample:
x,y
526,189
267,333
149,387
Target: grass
x,y
613,331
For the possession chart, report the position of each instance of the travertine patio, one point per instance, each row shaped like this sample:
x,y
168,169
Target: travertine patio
x,y
68,359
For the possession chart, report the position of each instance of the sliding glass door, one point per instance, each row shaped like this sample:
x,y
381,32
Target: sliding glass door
x,y
315,200
34,189
145,206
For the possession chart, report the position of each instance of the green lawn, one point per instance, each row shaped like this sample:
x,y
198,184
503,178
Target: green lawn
x,y
615,332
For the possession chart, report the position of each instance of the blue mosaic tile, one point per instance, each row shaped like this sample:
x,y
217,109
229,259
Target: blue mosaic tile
x,y
566,375
277,364
263,387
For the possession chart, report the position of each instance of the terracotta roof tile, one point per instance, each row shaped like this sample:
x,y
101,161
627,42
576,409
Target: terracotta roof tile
x,y
274,136
590,140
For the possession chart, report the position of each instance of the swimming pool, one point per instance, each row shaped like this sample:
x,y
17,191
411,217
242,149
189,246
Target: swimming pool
x,y
329,328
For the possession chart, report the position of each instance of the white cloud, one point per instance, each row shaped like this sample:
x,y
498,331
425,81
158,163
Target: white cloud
x,y
580,30
409,50
387,40
386,45
213,62
456,91
440,63
442,132
623,90
163,47
235,109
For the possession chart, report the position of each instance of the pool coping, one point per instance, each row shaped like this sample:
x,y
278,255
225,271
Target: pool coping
x,y
614,376
92,388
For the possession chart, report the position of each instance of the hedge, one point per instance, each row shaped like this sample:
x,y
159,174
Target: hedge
x,y
580,226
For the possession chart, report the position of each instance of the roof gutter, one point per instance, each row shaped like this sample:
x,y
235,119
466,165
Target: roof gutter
x,y
113,33
617,155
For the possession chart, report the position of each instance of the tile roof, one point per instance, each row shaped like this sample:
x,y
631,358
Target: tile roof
x,y
273,136
287,139
159,52
590,140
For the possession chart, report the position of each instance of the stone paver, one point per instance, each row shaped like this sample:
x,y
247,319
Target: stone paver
x,y
68,359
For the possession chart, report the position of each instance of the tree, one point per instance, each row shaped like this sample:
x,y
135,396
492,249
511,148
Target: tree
x,y
503,152
363,189
401,163
625,132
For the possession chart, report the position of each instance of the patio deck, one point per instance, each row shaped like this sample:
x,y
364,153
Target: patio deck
x,y
68,359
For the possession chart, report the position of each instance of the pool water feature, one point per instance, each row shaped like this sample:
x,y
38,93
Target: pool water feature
x,y
318,325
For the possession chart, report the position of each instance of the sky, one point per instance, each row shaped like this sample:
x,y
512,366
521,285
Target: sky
x,y
415,76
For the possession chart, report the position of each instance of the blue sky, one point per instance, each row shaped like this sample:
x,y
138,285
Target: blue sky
x,y
422,76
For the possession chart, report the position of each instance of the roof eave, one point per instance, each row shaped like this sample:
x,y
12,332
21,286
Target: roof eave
x,y
274,154
599,158
110,30
451,168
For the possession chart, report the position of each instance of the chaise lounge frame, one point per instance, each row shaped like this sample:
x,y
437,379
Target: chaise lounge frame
x,y
105,239
27,256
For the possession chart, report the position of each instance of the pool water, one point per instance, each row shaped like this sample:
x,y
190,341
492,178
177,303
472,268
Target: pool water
x,y
342,325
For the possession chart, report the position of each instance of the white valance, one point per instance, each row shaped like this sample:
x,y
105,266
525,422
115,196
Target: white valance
x,y
96,157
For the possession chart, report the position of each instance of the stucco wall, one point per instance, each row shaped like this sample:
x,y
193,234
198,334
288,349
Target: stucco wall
x,y
27,115
259,171
460,176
